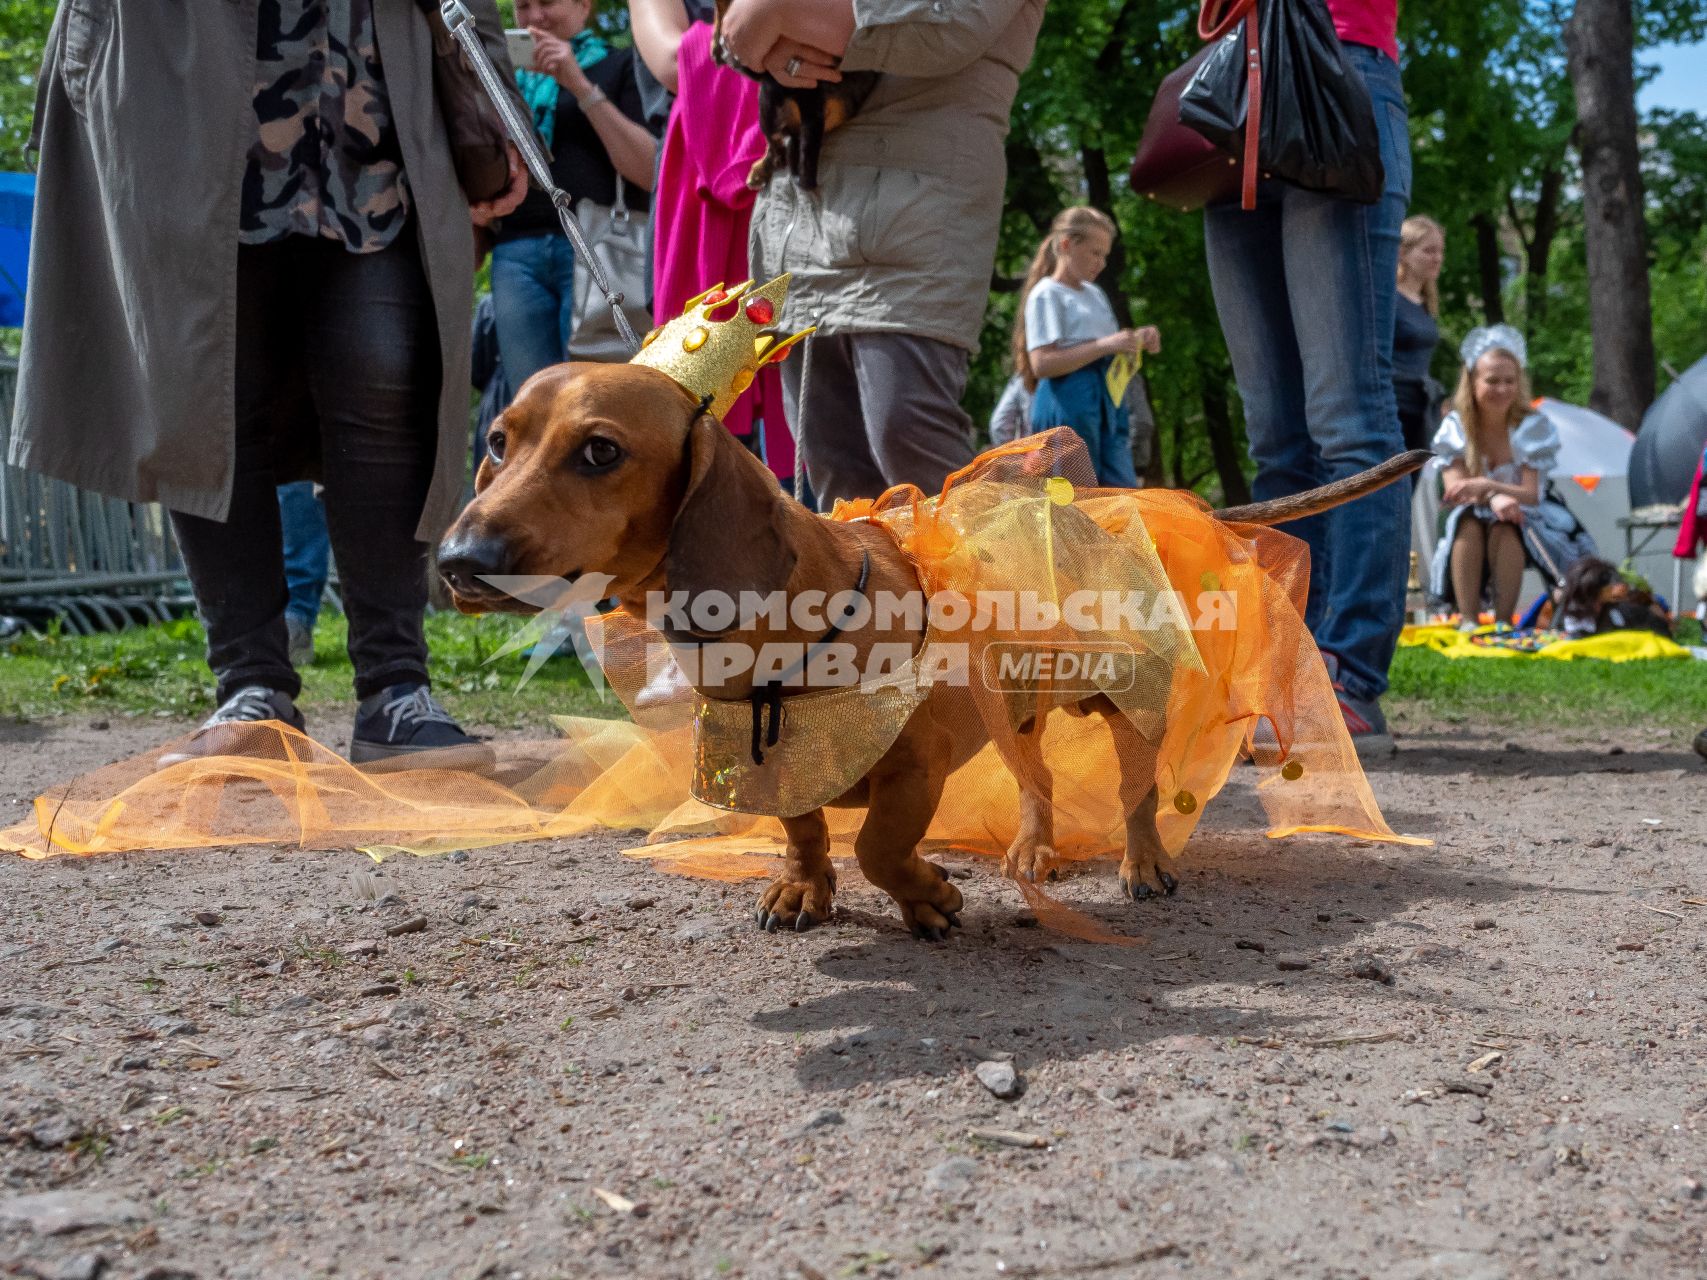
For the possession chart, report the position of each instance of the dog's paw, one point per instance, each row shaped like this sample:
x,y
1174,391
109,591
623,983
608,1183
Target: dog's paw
x,y
930,904
788,903
1147,877
1031,860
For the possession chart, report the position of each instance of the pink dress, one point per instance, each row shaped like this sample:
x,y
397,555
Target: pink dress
x,y
701,210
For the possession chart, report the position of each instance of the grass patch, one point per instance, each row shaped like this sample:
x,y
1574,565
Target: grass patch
x,y
1583,694
161,671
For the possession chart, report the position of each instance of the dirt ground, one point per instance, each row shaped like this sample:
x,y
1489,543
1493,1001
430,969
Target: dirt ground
x,y
233,1063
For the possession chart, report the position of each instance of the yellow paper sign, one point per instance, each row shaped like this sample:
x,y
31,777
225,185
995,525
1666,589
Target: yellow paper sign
x,y
1121,370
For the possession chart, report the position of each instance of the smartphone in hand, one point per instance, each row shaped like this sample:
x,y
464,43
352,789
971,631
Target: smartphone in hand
x,y
520,44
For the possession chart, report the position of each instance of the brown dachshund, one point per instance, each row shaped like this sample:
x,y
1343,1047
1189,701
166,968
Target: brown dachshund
x,y
615,469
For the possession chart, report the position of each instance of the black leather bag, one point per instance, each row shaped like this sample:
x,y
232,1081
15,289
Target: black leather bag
x,y
1317,125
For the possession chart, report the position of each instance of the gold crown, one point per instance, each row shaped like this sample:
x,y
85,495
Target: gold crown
x,y
717,346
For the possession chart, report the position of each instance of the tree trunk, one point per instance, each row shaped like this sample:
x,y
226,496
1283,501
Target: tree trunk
x,y
1488,267
1538,248
1600,42
1099,194
1218,421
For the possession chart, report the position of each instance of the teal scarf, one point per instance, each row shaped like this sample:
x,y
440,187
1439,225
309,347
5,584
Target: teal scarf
x,y
540,91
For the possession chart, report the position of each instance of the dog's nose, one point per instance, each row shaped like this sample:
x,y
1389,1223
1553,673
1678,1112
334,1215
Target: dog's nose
x,y
465,556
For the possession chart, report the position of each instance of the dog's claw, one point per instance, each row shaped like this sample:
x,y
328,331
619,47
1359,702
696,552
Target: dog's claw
x,y
803,922
759,915
954,919
1142,892
1169,883
771,922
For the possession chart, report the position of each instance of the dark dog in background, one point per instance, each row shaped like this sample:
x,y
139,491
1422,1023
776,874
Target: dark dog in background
x,y
1596,597
795,120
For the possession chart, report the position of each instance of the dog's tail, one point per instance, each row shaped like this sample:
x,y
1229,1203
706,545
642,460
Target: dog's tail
x,y
1313,501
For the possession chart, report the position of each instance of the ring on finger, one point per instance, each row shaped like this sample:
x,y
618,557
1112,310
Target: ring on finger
x,y
791,68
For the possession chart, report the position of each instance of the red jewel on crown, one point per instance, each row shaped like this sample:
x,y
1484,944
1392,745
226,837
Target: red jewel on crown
x,y
761,311
714,297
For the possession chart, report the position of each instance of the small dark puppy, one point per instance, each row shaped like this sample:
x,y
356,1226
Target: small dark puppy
x,y
795,120
1596,597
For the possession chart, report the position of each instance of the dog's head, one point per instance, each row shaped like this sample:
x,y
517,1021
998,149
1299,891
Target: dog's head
x,y
614,469
1586,587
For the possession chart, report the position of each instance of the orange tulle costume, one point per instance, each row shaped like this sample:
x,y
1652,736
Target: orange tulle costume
x,y
1218,649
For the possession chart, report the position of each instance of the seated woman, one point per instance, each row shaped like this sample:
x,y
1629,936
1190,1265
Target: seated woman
x,y
1498,453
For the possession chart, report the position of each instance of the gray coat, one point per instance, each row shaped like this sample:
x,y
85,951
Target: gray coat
x,y
901,235
144,120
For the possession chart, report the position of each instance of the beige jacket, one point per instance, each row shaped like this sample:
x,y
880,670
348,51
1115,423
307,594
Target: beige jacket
x,y
900,237
144,117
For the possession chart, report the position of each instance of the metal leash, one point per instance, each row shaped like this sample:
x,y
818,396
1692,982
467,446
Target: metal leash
x,y
460,24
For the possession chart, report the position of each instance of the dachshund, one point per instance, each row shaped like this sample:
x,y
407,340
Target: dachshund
x,y
795,121
616,469
1595,597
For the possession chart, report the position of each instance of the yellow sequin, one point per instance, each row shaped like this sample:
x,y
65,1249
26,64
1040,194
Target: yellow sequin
x,y
1210,581
1292,770
1185,802
1060,490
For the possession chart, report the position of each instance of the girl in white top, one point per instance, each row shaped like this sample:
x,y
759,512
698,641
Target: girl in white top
x,y
1497,454
1067,336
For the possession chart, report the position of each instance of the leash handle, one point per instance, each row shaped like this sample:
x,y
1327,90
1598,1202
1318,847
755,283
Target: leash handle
x,y
460,23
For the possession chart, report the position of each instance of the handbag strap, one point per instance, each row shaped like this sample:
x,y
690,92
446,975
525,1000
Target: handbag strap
x,y
1253,111
1215,18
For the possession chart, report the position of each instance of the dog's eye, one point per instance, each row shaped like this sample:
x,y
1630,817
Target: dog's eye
x,y
598,454
495,442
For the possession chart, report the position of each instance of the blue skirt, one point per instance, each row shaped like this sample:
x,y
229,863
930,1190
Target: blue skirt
x,y
1080,400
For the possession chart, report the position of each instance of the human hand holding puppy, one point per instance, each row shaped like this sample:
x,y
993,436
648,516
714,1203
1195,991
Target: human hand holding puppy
x,y
798,42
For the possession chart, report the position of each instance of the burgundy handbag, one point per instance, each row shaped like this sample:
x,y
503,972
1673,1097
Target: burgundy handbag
x,y
1179,167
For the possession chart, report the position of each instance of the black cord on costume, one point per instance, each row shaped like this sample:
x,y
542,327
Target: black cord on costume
x,y
768,696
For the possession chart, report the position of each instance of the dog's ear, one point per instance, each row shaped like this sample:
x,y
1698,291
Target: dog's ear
x,y
728,535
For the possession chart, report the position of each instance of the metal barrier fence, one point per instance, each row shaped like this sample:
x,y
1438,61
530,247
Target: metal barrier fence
x,y
93,563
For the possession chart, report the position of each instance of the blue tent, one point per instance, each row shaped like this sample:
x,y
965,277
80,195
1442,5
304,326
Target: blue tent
x,y
1674,431
17,198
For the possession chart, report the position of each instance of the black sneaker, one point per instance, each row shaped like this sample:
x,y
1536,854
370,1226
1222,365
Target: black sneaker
x,y
404,725
220,734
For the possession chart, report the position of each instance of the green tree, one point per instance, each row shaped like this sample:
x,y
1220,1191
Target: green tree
x,y
1080,112
23,34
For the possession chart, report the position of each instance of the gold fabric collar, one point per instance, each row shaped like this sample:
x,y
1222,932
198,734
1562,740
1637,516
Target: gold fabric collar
x,y
826,742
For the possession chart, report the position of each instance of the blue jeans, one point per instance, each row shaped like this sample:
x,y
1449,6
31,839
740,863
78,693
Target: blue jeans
x,y
307,550
1305,287
533,302
1080,400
